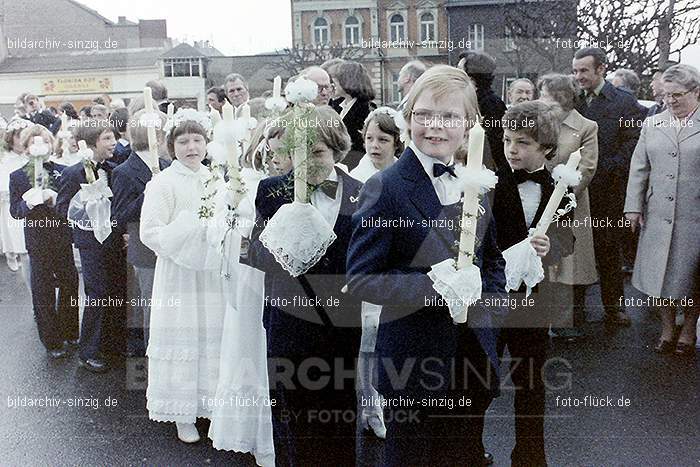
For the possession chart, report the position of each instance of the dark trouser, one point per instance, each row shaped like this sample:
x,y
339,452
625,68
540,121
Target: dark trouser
x,y
104,317
528,353
441,435
145,282
56,317
313,422
607,242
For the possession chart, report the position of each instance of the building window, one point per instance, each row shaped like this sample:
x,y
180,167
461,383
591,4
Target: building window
x,y
352,31
395,90
321,31
476,36
509,40
427,27
181,67
397,27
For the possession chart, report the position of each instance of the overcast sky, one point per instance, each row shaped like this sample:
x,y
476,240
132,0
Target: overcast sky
x,y
235,27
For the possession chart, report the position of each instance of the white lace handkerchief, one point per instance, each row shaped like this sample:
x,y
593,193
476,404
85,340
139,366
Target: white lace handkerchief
x,y
523,266
459,288
298,237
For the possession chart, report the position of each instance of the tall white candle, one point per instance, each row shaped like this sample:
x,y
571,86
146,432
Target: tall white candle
x,y
277,86
215,116
231,146
470,206
299,160
38,163
245,112
65,142
171,111
152,141
557,195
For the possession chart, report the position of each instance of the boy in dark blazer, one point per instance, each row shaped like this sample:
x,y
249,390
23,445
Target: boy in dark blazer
x,y
308,319
103,266
407,222
531,130
129,181
48,241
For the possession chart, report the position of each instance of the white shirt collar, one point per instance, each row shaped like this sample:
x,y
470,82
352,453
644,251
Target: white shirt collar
x,y
146,157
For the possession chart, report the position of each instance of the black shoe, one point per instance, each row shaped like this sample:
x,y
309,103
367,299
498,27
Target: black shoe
x,y
488,458
55,354
685,350
94,365
618,318
664,346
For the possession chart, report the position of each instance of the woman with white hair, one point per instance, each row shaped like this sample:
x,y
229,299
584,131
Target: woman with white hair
x,y
663,202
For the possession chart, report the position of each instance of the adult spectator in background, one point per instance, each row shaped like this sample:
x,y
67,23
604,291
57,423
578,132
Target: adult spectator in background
x,y
119,120
353,84
520,90
662,201
85,112
216,98
237,91
577,271
480,68
20,109
331,66
657,88
626,79
323,80
68,109
160,95
619,120
99,112
40,116
408,75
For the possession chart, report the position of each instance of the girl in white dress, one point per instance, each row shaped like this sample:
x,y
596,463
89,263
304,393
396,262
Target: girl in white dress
x,y
11,230
382,140
187,309
236,425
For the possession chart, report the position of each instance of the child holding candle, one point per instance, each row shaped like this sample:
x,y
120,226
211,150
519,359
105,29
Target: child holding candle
x,y
187,307
401,229
48,242
102,260
531,131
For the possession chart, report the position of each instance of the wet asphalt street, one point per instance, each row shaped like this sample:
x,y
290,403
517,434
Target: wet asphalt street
x,y
102,420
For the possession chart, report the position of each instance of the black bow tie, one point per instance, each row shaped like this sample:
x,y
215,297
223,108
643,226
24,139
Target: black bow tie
x,y
329,187
439,169
539,176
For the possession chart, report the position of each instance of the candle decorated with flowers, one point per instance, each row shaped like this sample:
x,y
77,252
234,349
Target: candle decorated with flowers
x,y
470,206
171,111
235,181
565,175
299,158
86,156
151,129
277,86
38,150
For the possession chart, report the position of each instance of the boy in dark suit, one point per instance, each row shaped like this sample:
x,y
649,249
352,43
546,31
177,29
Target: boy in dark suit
x,y
103,267
129,181
308,319
531,130
407,222
50,254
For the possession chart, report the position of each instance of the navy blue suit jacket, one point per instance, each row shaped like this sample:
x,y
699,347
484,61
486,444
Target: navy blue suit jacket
x,y
71,179
298,330
45,230
389,265
128,185
619,123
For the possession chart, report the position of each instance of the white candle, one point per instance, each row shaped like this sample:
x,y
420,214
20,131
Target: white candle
x,y
215,116
277,86
64,121
171,111
299,160
38,163
470,206
65,141
245,112
231,146
557,195
87,163
152,141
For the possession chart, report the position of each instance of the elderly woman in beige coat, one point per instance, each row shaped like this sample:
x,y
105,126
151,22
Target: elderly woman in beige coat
x,y
577,270
663,200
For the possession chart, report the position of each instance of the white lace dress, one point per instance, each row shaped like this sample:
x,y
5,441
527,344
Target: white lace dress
x,y
187,308
11,230
242,418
